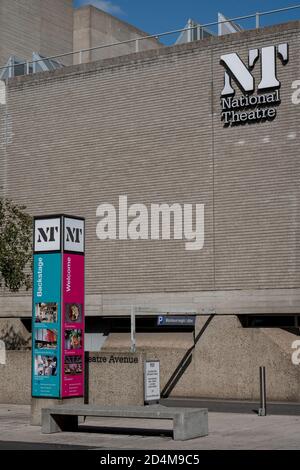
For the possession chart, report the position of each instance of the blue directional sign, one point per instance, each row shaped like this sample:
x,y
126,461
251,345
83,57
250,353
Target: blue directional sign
x,y
176,320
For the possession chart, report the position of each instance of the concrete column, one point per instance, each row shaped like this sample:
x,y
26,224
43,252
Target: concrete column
x,y
38,403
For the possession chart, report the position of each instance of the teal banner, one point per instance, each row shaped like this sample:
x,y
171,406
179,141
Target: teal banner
x,y
46,325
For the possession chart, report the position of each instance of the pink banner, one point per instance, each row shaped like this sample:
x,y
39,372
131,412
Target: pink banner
x,y
73,326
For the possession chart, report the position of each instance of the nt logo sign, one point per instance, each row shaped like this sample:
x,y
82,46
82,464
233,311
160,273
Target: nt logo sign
x,y
50,232
251,107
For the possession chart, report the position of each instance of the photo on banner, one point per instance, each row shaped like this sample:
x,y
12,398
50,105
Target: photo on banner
x,y
46,312
73,339
73,313
45,366
45,338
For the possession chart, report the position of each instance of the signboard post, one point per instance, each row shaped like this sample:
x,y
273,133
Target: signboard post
x,y
151,381
58,307
132,331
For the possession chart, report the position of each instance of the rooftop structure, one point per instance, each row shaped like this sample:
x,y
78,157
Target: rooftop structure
x,y
63,36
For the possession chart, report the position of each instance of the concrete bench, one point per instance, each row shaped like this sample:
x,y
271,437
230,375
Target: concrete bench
x,y
188,423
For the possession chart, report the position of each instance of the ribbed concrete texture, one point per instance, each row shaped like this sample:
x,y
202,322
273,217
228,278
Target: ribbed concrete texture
x,y
35,26
94,27
15,383
14,334
116,378
148,126
224,364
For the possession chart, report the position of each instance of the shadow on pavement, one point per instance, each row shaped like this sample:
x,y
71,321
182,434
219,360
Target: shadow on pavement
x,y
124,430
14,445
233,406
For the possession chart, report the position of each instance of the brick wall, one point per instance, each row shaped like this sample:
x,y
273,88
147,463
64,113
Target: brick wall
x,y
148,125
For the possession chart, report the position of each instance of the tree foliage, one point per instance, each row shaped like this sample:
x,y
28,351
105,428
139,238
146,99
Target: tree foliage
x,y
15,245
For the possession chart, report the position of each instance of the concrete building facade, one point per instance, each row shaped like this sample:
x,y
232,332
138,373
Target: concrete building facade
x,y
148,125
28,26
94,27
54,28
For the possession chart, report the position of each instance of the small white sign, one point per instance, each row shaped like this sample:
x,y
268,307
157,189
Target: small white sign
x,y
47,234
2,92
74,234
2,353
151,381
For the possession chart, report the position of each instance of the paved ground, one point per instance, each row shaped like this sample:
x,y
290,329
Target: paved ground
x,y
227,431
13,445
234,406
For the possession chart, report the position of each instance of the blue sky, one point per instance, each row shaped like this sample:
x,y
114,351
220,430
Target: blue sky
x,y
156,16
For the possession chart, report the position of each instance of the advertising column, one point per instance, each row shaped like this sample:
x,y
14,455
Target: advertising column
x,y
73,309
58,307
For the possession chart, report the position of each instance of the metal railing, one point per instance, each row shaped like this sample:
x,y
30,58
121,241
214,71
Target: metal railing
x,y
136,41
